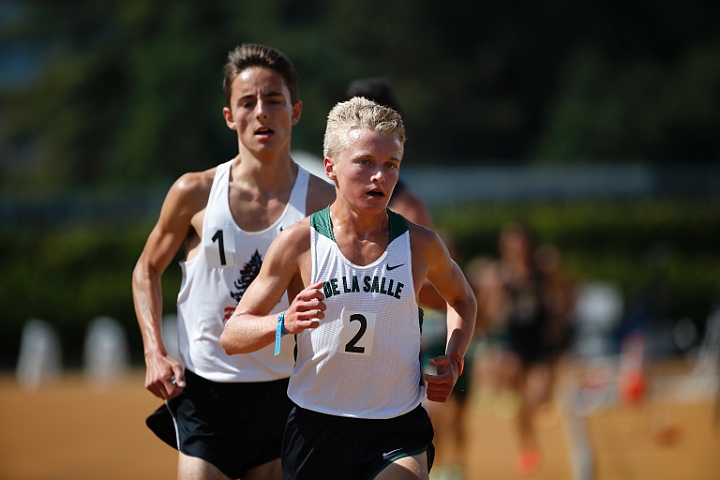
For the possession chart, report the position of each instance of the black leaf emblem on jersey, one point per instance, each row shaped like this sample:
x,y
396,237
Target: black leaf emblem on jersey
x,y
247,274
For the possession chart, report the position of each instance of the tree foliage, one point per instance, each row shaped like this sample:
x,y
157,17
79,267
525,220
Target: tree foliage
x,y
131,90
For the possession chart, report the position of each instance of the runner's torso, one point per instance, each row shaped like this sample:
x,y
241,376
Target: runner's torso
x,y
363,359
215,279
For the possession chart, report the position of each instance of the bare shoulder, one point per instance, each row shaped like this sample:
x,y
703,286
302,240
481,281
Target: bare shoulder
x,y
189,194
292,242
426,242
320,194
297,233
195,183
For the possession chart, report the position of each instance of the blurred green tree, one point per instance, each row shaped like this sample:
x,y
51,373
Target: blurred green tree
x,y
130,90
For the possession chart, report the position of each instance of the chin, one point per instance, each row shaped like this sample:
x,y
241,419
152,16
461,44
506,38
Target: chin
x,y
375,206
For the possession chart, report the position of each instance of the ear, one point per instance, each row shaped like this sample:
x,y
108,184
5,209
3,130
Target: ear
x,y
329,168
296,112
229,119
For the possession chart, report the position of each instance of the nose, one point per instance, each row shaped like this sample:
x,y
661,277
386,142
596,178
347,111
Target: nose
x,y
378,176
260,112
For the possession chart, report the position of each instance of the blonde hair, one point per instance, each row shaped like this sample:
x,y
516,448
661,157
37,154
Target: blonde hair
x,y
359,112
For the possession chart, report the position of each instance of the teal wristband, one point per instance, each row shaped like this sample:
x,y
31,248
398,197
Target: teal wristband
x,y
280,331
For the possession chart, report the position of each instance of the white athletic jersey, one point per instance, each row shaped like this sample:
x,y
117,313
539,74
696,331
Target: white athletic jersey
x,y
364,359
216,278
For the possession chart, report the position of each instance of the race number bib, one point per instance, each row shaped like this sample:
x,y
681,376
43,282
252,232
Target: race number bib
x,y
219,245
358,331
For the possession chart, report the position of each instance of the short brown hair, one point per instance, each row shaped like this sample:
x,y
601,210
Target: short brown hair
x,y
359,112
250,55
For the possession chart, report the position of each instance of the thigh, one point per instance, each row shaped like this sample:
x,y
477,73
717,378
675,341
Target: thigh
x,y
538,383
267,471
194,468
406,468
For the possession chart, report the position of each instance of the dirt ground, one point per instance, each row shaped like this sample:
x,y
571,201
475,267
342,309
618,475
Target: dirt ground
x,y
71,431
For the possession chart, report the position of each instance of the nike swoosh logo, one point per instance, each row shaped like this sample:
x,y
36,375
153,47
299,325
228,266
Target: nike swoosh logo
x,y
394,266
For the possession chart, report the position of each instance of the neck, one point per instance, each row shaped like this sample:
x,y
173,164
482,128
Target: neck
x,y
360,225
271,172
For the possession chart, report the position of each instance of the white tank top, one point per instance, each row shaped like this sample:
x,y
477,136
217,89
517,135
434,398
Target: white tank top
x,y
363,360
216,278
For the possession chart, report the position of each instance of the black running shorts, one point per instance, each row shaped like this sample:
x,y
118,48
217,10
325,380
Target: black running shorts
x,y
234,426
328,447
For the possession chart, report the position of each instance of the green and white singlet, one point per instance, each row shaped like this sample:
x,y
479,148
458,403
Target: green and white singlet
x,y
363,359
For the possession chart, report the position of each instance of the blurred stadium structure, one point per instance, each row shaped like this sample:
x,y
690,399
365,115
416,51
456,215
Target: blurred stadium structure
x,y
106,357
438,185
40,359
577,181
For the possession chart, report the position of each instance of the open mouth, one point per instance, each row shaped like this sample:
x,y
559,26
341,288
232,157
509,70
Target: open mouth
x,y
264,131
376,193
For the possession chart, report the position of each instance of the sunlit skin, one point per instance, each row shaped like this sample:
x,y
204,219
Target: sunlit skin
x,y
365,174
262,176
262,113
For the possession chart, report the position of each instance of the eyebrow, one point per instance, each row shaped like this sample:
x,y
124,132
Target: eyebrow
x,y
271,93
371,156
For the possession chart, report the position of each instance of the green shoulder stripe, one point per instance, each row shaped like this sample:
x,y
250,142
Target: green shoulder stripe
x,y
398,225
321,222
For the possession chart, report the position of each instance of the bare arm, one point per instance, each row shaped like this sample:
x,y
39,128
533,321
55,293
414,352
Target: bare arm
x,y
410,206
183,200
449,281
252,327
